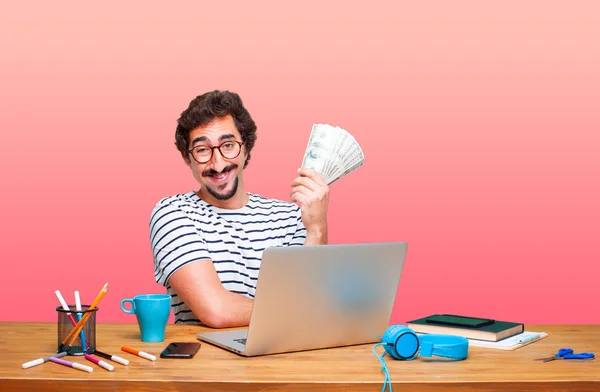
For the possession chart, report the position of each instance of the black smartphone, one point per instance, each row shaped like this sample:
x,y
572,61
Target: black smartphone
x,y
180,350
459,321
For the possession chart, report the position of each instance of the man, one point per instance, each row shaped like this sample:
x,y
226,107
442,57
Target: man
x,y
208,244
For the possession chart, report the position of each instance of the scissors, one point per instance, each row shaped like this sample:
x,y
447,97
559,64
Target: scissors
x,y
567,353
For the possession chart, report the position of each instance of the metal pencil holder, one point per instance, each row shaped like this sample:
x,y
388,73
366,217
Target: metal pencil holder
x,y
87,334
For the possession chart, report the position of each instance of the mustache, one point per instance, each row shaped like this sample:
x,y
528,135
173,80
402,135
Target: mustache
x,y
211,172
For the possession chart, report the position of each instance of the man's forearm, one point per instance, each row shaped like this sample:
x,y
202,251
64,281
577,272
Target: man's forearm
x,y
316,236
232,310
199,286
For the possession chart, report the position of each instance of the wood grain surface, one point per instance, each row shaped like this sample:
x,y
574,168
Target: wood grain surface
x,y
339,369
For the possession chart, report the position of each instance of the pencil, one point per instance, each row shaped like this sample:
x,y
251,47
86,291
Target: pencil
x,y
71,336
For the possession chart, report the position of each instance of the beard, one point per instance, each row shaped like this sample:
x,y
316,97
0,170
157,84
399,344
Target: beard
x,y
214,192
224,196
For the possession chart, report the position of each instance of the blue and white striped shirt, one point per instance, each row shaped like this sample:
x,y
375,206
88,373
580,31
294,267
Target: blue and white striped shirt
x,y
185,228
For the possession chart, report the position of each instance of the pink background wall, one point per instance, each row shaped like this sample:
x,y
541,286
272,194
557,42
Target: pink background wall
x,y
480,125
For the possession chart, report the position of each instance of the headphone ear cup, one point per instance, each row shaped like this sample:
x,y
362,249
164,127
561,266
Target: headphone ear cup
x,y
401,342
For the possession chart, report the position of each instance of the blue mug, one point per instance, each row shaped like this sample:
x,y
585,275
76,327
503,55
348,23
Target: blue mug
x,y
152,313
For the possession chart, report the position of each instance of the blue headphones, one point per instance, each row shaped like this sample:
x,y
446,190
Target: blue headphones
x,y
403,343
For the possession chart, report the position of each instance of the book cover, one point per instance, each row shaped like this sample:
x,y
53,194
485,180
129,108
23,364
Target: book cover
x,y
493,331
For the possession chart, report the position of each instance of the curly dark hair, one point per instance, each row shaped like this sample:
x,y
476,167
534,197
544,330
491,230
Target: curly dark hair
x,y
205,108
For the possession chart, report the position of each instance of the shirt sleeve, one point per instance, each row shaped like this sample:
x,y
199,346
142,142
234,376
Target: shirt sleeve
x,y
174,240
299,236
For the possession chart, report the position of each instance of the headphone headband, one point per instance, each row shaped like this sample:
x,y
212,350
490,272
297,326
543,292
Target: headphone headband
x,y
403,343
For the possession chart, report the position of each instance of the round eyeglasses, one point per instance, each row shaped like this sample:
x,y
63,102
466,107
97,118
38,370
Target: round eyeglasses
x,y
229,150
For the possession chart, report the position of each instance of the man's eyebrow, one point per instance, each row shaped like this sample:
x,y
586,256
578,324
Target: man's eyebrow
x,y
205,139
199,139
226,136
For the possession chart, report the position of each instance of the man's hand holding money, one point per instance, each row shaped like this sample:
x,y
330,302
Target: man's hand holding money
x,y
311,194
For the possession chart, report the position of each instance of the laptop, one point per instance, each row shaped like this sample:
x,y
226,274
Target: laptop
x,y
318,296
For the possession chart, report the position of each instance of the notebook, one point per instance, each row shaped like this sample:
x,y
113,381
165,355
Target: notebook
x,y
321,296
468,327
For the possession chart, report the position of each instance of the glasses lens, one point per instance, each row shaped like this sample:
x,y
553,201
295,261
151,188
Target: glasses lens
x,y
230,150
202,154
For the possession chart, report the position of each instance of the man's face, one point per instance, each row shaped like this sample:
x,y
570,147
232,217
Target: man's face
x,y
219,177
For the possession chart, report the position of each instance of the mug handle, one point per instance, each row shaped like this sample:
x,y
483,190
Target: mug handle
x,y
123,302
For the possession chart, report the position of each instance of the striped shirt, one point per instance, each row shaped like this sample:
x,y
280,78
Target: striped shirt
x,y
185,228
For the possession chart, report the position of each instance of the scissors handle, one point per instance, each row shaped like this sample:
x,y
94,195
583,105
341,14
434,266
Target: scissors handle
x,y
579,356
564,351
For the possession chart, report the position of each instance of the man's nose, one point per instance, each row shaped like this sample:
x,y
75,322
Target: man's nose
x,y
217,161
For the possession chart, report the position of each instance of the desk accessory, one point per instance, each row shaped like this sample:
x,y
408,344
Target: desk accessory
x,y
152,314
63,303
141,354
404,344
79,314
332,152
99,362
468,327
567,353
510,343
72,335
39,361
66,325
113,358
180,350
74,365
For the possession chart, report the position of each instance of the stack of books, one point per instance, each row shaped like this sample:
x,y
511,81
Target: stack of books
x,y
468,327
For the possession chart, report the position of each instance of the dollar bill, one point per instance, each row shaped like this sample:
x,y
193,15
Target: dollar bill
x,y
332,151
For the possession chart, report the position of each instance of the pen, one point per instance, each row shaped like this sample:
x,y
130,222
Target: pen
x,y
74,365
529,338
120,360
39,361
139,353
99,362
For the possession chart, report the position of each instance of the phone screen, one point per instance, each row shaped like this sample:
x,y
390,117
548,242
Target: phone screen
x,y
450,319
180,350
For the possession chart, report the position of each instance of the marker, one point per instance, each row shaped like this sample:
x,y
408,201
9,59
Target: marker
x,y
99,362
139,353
64,305
529,338
74,365
39,361
120,360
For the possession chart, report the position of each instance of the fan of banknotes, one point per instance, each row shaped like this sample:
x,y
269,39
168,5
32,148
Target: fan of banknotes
x,y
332,152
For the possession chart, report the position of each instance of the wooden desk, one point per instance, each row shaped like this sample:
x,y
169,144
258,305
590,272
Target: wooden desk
x,y
341,369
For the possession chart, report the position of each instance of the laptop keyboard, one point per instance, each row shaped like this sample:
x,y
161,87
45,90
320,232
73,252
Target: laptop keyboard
x,y
241,341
